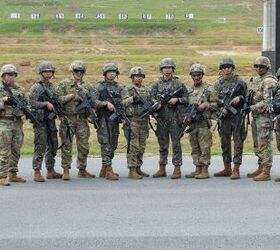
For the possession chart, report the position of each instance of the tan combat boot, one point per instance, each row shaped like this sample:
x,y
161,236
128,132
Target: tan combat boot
x,y
13,177
133,174
110,175
264,175
256,172
85,174
4,182
277,179
161,172
66,174
176,173
102,172
37,176
52,174
194,173
140,172
235,173
226,172
203,174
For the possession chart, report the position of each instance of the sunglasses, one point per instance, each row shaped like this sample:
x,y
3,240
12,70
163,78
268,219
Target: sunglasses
x,y
226,66
196,75
11,74
79,71
259,66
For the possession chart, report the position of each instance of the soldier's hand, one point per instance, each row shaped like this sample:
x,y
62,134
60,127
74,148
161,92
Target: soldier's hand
x,y
76,97
110,107
235,100
49,106
203,106
173,101
224,112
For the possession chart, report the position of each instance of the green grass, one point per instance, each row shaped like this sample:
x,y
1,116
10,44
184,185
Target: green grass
x,y
26,42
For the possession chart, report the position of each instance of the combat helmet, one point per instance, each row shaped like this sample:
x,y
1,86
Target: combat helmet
x,y
110,67
78,66
263,60
167,62
197,68
226,61
46,66
136,71
8,68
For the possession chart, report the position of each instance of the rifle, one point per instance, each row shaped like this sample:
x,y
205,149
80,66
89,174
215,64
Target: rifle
x,y
86,104
192,114
146,103
116,100
21,104
226,102
244,114
119,113
56,112
164,98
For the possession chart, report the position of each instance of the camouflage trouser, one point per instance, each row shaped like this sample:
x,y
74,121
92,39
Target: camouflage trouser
x,y
80,128
277,132
138,136
108,140
166,129
45,144
11,139
262,137
231,127
201,142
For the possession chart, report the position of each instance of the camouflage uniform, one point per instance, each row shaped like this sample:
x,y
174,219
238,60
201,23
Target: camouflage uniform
x,y
262,87
68,92
200,135
45,135
169,119
11,132
230,125
139,127
108,132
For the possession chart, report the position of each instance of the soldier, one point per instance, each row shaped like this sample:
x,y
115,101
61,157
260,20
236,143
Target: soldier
x,y
68,92
135,97
168,120
204,97
231,85
11,132
45,135
277,122
262,88
108,132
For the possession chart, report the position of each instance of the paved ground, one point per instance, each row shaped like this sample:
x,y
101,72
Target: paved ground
x,y
148,214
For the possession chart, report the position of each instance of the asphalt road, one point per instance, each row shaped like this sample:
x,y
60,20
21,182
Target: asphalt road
x,y
217,213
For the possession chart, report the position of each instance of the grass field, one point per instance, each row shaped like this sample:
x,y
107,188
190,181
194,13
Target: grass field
x,y
26,42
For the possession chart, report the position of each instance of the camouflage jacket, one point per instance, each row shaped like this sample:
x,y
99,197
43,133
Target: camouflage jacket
x,y
111,86
262,87
204,93
223,86
159,87
35,96
134,110
6,110
69,86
